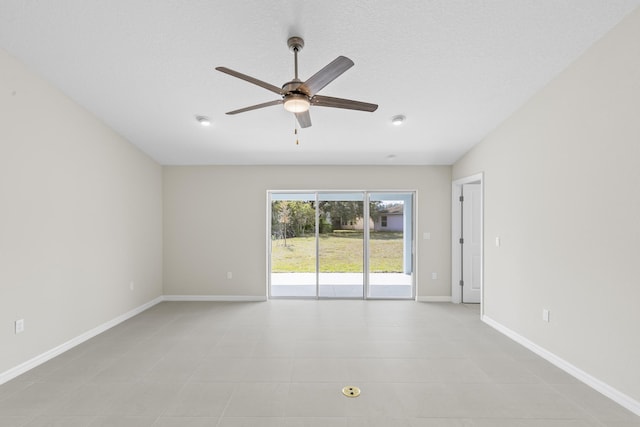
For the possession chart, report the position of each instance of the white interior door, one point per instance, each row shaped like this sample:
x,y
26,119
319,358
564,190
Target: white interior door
x,y
471,249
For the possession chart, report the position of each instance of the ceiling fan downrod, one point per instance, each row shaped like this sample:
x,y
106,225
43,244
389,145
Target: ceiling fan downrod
x,y
295,45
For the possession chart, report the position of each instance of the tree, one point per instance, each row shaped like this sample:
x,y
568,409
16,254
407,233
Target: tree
x,y
284,217
290,218
341,213
303,217
375,209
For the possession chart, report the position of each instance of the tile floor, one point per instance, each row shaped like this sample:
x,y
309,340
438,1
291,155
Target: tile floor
x,y
284,363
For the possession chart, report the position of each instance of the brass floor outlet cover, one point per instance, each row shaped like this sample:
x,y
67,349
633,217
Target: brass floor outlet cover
x,y
351,391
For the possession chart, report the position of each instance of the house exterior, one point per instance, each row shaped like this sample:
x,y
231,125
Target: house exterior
x,y
390,219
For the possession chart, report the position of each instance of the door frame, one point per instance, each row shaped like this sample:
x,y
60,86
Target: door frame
x,y
412,247
456,226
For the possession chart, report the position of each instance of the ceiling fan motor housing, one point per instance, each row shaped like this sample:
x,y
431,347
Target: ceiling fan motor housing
x,y
294,86
296,99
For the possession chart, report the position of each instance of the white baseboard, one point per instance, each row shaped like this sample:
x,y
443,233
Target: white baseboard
x,y
433,299
218,298
598,385
50,354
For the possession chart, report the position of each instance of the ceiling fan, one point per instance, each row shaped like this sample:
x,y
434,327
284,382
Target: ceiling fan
x,y
297,96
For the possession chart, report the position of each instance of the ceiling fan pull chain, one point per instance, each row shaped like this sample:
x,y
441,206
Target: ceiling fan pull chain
x,y
295,131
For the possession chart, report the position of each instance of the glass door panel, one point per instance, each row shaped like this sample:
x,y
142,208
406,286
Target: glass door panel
x,y
390,245
293,245
341,245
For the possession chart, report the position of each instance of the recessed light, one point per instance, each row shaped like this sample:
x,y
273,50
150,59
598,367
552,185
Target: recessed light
x,y
391,157
204,121
398,120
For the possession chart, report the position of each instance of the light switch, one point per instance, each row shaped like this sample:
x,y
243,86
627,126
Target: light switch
x,y
497,241
19,326
545,314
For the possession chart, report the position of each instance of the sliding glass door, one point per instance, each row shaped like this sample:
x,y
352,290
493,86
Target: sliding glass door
x,y
321,246
390,245
293,245
341,245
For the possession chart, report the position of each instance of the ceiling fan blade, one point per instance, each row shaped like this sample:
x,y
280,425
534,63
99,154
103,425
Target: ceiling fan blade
x,y
304,119
328,101
255,107
325,76
250,79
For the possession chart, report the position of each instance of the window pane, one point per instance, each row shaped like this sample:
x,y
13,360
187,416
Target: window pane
x,y
390,244
293,245
341,245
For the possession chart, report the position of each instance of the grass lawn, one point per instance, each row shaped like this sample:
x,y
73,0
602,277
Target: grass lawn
x,y
340,252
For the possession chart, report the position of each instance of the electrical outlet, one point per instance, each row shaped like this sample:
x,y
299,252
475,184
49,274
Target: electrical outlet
x,y
132,285
19,325
426,236
229,275
434,276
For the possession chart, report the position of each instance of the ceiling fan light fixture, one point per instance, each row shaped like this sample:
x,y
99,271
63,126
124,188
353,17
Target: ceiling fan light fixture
x,y
296,103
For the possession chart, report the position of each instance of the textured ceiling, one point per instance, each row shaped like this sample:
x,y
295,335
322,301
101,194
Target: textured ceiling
x,y
455,69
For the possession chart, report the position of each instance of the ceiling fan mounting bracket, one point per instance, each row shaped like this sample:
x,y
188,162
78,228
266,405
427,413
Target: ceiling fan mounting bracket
x,y
295,44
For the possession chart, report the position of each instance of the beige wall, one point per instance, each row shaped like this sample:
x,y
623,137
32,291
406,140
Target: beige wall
x,y
215,221
80,217
561,190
